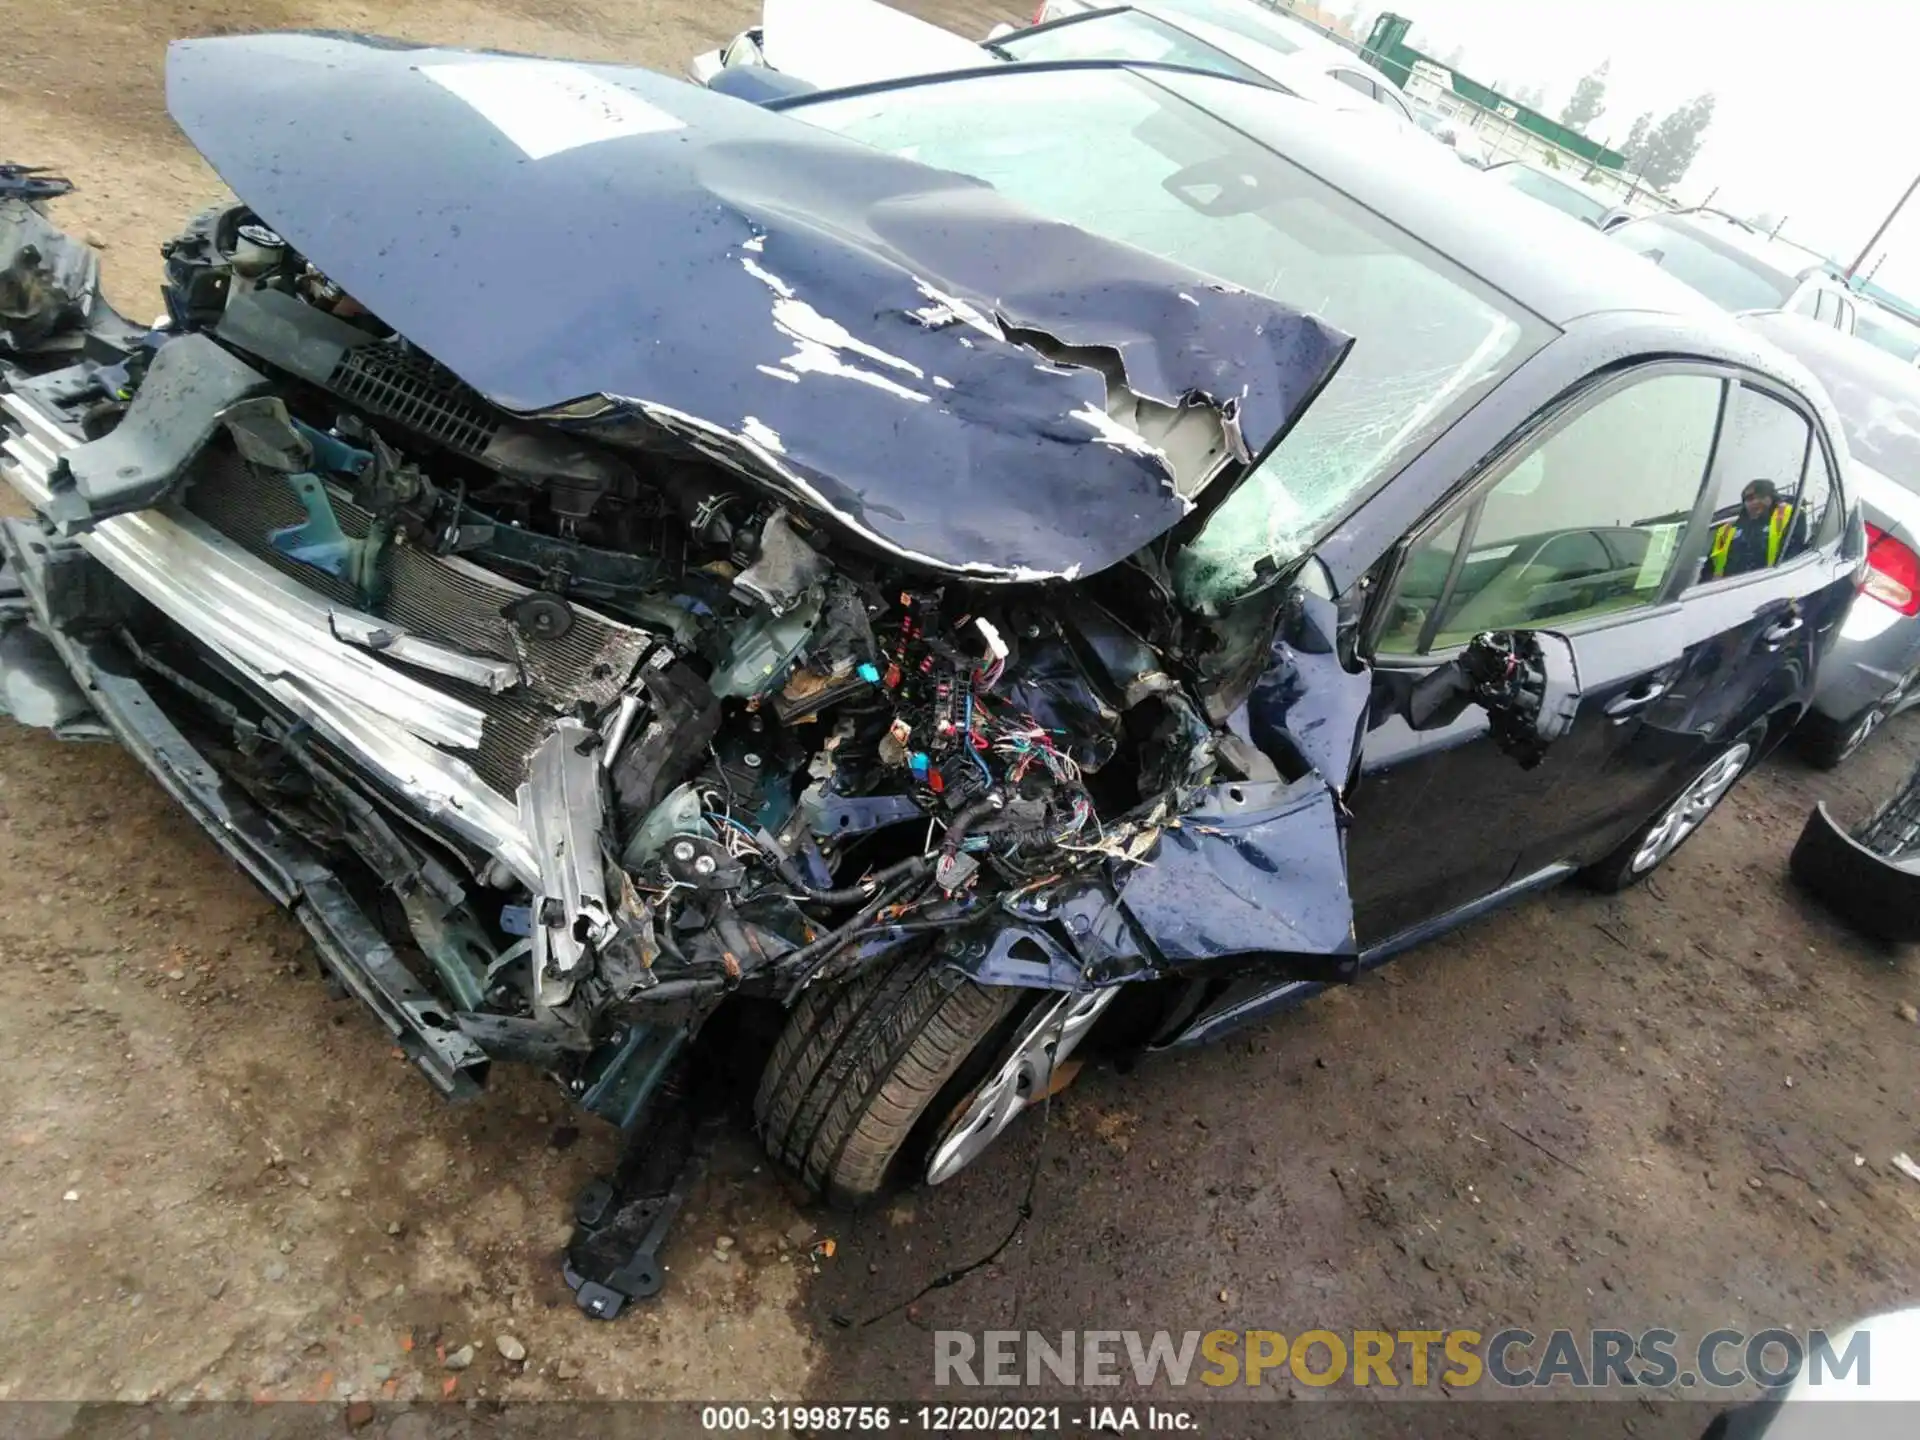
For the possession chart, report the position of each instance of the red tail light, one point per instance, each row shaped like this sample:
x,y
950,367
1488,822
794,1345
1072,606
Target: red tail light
x,y
1039,13
1893,572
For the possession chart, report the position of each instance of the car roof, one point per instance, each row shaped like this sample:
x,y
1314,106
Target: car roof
x,y
1722,232
1547,262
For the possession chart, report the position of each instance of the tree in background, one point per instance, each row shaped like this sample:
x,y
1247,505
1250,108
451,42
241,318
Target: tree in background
x,y
1533,97
1589,100
1672,144
1635,148
1456,58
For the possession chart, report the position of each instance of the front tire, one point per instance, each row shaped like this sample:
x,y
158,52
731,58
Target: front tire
x,y
1656,842
861,1062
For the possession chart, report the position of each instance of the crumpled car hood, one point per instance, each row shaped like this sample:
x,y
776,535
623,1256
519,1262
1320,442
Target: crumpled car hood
x,y
828,318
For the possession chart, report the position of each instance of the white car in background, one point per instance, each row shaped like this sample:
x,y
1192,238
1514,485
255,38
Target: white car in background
x,y
1886,329
830,44
1281,34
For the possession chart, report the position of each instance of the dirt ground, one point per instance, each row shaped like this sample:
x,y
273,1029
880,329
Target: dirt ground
x,y
215,1181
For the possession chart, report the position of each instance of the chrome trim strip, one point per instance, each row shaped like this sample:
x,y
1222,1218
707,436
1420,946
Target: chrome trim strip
x,y
351,628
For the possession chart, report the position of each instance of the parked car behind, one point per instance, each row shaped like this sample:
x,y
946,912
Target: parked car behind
x,y
1739,268
1886,329
1452,133
1273,31
1874,670
1022,539
1563,195
813,44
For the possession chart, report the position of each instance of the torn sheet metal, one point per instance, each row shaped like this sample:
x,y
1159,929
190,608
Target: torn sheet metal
x,y
561,809
840,323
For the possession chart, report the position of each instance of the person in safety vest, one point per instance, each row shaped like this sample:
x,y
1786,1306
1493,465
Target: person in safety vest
x,y
1754,538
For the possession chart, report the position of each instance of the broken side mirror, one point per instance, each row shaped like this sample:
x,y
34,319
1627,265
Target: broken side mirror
x,y
1525,680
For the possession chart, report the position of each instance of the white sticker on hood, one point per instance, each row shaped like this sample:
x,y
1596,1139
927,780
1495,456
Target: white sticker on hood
x,y
545,106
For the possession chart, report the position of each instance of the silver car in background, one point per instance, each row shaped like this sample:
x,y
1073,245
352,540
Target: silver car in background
x,y
1887,330
1873,672
1740,268
1306,47
1565,196
829,44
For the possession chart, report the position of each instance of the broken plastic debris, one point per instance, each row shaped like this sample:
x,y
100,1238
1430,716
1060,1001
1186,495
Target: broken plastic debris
x,y
823,1249
1903,1162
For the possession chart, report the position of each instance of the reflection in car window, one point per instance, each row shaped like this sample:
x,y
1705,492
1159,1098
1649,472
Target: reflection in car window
x,y
1756,519
1099,148
1588,522
1557,193
1125,35
1353,80
1730,282
1826,307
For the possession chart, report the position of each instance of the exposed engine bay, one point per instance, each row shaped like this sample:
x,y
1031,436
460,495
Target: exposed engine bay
x,y
685,743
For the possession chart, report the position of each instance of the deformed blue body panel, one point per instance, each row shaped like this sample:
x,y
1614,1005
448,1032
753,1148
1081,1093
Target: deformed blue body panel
x,y
831,319
1263,874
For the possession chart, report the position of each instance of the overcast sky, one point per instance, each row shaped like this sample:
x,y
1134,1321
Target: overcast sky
x,y
1817,103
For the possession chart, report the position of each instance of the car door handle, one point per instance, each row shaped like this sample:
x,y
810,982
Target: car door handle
x,y
1780,633
1637,699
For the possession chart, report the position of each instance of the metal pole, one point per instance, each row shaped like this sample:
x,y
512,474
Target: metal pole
x,y
1892,214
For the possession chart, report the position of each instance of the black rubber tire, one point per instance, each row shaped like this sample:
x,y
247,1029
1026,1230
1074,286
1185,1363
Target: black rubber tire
x,y
860,1063
1825,744
1616,873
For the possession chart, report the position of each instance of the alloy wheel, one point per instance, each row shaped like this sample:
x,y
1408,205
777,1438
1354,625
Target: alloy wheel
x,y
1696,802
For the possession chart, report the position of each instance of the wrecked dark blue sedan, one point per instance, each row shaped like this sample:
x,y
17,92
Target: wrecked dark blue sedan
x,y
970,561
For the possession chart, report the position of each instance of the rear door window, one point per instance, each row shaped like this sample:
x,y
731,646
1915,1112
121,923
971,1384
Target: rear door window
x,y
1757,521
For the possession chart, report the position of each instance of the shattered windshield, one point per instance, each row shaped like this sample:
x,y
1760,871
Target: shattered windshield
x,y
1118,155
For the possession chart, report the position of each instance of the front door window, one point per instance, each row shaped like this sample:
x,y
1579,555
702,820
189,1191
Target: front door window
x,y
1587,522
